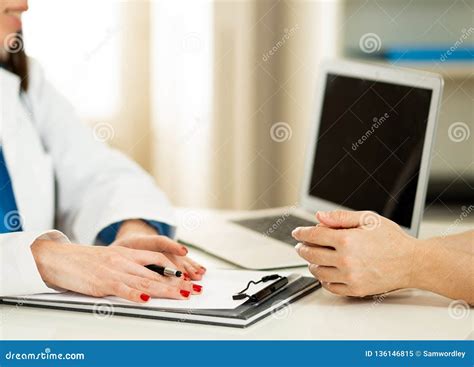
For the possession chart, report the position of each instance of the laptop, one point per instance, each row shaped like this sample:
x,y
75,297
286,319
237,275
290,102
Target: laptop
x,y
369,148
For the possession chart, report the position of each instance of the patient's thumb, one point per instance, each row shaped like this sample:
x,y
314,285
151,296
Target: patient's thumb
x,y
339,218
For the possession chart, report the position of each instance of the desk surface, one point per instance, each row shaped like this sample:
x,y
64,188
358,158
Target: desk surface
x,y
409,314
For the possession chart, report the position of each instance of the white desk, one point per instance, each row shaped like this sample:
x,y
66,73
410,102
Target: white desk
x,y
410,314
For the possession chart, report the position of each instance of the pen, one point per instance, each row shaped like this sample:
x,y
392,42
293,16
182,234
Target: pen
x,y
164,271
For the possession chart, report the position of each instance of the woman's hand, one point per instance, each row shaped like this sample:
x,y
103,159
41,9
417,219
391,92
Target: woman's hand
x,y
357,253
137,234
108,271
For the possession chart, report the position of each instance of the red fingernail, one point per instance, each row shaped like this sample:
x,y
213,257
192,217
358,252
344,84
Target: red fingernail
x,y
197,287
184,293
144,297
186,276
184,249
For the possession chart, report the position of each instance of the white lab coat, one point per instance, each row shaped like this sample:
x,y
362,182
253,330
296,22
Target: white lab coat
x,y
61,173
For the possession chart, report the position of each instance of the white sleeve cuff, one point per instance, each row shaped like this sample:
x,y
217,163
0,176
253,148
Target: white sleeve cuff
x,y
19,273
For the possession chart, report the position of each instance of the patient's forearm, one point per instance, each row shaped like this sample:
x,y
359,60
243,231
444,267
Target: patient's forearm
x,y
445,270
460,241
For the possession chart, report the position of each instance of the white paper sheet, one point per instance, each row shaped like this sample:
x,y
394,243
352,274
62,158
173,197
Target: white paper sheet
x,y
218,287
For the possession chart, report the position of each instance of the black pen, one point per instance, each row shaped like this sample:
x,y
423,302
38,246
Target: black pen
x,y
164,271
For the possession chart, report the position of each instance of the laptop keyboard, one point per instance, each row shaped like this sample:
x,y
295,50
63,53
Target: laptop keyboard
x,y
277,227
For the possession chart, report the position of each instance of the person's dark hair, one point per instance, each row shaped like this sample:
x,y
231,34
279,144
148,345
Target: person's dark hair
x,y
17,62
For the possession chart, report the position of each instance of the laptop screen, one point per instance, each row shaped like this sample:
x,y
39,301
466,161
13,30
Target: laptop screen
x,y
369,146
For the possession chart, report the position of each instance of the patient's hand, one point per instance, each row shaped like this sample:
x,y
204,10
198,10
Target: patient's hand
x,y
357,253
137,234
107,271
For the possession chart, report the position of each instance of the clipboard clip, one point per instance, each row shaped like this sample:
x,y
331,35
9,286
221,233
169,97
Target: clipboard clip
x,y
265,292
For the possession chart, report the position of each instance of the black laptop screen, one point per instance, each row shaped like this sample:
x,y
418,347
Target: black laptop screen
x,y
369,146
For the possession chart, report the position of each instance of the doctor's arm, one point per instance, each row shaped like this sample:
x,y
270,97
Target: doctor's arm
x,y
98,188
112,271
43,262
357,258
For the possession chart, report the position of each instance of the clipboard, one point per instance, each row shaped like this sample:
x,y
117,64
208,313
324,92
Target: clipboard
x,y
242,316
